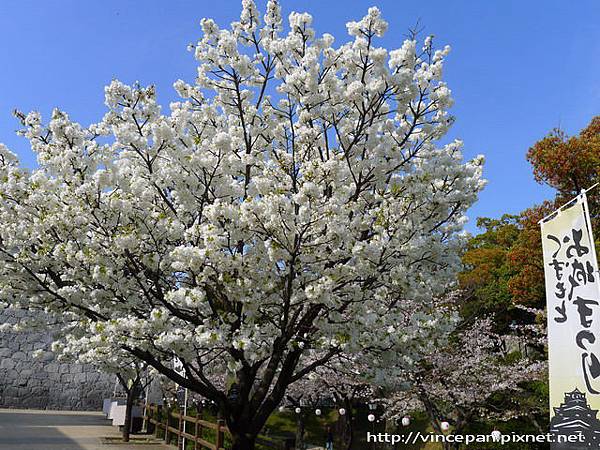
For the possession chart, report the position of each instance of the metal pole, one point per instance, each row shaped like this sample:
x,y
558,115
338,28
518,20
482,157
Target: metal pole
x,y
583,192
185,401
588,224
147,390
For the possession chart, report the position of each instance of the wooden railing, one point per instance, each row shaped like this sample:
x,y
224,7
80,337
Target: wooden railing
x,y
161,419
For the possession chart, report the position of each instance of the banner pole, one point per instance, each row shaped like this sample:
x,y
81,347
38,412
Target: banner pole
x,y
588,224
583,191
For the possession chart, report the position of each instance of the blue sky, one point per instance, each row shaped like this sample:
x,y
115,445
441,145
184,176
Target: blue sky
x,y
517,68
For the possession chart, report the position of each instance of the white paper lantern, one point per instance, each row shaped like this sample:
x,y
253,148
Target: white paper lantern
x,y
445,426
405,421
298,410
371,417
342,411
496,435
318,412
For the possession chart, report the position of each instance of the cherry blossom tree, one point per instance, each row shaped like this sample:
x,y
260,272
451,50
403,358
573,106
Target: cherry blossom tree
x,y
352,380
456,383
75,346
134,375
342,385
292,208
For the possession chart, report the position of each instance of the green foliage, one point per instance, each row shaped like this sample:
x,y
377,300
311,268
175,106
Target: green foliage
x,y
488,272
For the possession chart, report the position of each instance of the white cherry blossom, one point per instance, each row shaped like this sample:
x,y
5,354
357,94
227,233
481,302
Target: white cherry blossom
x,y
292,208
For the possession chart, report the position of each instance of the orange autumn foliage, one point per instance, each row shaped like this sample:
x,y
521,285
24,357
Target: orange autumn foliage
x,y
503,265
568,164
526,285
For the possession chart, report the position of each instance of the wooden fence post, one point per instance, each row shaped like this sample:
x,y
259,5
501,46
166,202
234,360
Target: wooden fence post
x,y
219,443
196,431
158,412
150,427
152,416
167,421
180,428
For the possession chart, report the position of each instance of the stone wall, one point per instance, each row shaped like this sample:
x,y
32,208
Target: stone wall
x,y
44,383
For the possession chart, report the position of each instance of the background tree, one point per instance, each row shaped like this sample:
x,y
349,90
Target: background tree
x,y
524,258
461,383
342,385
503,268
504,265
568,164
487,273
293,204
133,375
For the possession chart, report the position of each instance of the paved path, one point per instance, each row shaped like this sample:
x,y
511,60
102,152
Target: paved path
x,y
59,430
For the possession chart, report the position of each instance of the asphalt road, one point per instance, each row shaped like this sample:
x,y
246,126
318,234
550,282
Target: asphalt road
x,y
58,430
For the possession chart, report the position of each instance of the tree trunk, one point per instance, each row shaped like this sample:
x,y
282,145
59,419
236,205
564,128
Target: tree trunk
x,y
300,432
434,418
132,393
128,411
390,428
242,441
348,425
537,425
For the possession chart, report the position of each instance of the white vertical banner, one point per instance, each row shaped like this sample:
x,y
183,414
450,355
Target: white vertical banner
x,y
573,300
